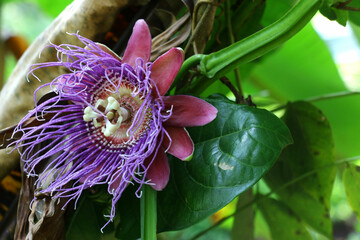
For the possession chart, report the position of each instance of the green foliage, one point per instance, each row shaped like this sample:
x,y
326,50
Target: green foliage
x,y
238,147
83,223
282,221
351,179
312,150
128,208
329,10
354,16
88,218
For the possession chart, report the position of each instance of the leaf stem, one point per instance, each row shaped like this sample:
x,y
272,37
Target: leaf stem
x,y
238,96
344,6
191,62
285,185
323,97
148,213
331,95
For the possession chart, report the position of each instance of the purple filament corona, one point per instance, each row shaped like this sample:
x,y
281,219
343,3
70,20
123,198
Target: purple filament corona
x,y
75,152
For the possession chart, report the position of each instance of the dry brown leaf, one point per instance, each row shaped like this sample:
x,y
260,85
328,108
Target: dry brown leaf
x,y
202,25
51,224
168,39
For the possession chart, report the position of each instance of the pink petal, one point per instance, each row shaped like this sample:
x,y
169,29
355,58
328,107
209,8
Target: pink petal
x,y
139,45
165,68
159,170
181,146
189,111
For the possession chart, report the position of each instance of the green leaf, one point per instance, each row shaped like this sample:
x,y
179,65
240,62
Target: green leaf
x,y
88,218
354,16
84,224
128,209
341,16
231,154
351,179
283,222
328,10
312,149
241,141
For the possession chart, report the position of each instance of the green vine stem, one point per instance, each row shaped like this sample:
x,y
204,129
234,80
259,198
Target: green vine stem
x,y
148,213
285,185
190,63
217,64
322,98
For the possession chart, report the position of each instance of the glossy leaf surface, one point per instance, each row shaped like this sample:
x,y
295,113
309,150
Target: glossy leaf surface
x,y
231,154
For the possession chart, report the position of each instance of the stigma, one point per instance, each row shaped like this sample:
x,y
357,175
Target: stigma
x,y
107,114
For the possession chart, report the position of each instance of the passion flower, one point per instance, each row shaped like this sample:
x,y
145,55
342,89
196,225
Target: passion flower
x,y
108,121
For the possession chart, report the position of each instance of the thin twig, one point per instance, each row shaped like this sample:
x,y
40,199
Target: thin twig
x,y
344,6
331,95
354,9
238,97
322,97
